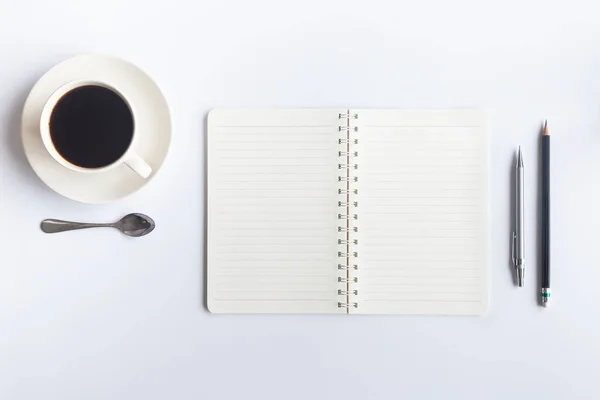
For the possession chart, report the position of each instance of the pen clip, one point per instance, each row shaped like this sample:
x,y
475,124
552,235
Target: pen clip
x,y
513,244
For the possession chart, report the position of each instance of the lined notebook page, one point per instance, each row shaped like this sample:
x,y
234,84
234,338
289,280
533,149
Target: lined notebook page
x,y
272,211
423,212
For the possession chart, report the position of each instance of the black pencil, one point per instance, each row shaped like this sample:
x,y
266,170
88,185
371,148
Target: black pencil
x,y
545,217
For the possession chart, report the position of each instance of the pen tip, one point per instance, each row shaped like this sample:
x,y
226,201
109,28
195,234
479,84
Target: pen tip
x,y
521,277
519,158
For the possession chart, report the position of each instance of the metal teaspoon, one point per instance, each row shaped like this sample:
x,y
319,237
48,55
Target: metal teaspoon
x,y
134,225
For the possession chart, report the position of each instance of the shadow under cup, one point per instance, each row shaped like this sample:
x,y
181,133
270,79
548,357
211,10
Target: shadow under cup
x,y
91,126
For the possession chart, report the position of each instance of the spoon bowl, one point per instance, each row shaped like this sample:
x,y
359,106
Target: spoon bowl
x,y
135,225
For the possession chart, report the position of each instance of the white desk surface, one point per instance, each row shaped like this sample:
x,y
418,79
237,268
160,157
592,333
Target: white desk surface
x,y
93,315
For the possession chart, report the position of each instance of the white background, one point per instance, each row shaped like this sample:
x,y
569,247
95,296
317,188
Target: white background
x,y
96,315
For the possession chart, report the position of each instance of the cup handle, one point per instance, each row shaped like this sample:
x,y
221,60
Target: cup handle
x,y
138,165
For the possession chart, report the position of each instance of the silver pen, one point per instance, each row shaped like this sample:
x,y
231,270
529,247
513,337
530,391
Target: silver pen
x,y
518,235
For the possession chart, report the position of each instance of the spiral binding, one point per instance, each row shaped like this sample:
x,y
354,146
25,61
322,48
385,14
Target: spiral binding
x,y
347,292
346,181
342,141
347,191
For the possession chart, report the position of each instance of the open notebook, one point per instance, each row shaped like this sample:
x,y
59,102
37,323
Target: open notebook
x,y
348,211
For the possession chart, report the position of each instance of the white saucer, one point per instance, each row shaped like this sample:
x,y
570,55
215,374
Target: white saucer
x,y
153,128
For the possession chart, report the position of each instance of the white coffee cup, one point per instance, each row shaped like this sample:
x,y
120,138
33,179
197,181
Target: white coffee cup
x,y
129,157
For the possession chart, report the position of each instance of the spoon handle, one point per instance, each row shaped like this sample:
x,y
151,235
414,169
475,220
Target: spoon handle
x,y
56,225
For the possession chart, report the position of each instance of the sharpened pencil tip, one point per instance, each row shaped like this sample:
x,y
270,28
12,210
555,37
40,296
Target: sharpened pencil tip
x,y
546,131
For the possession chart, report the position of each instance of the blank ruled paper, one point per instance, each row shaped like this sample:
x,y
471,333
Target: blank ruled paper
x,y
423,212
421,207
272,211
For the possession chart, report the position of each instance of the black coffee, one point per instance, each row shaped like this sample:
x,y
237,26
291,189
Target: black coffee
x,y
91,126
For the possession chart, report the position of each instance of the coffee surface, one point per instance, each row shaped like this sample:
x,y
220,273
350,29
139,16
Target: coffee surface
x,y
91,126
